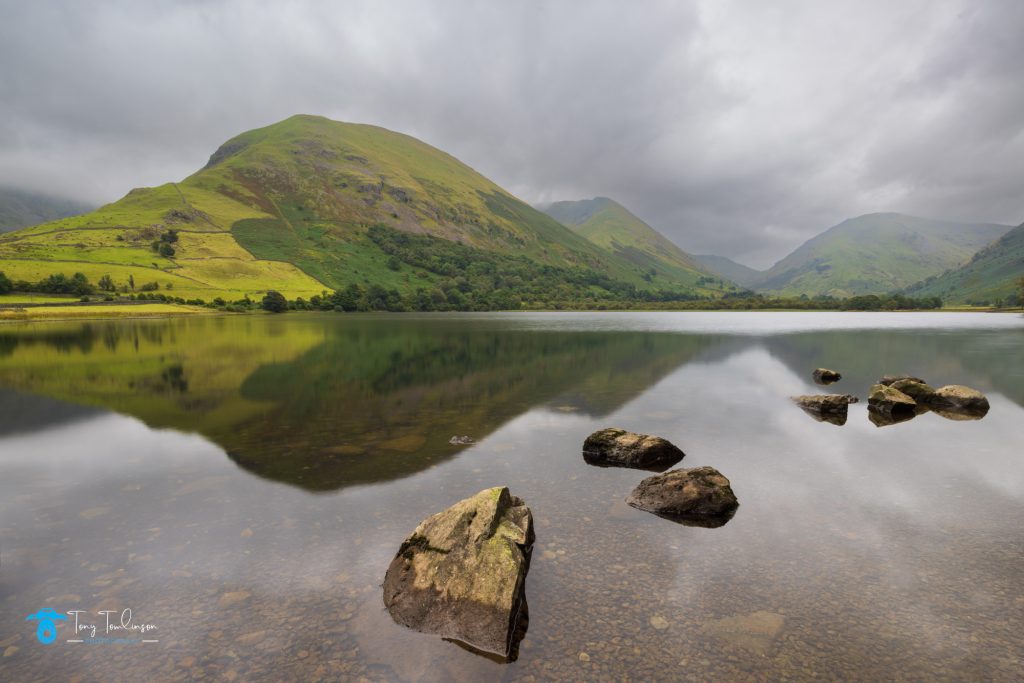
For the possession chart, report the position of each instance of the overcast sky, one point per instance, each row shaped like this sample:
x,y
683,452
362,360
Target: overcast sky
x,y
737,128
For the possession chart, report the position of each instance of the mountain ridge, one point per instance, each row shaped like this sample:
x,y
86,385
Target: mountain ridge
x,y
309,204
989,277
611,226
876,253
22,208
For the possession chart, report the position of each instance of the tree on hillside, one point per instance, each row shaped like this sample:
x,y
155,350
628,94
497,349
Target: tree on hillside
x,y
1020,292
106,284
5,283
275,302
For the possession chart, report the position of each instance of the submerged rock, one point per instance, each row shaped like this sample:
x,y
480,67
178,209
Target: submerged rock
x,y
700,496
619,448
959,399
887,400
755,631
825,376
462,573
830,408
889,379
461,440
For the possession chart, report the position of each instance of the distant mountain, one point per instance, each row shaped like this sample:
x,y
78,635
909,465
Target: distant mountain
x,y
989,276
729,269
875,254
20,209
309,204
612,227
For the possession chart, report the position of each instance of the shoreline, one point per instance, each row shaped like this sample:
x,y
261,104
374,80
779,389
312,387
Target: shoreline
x,y
51,312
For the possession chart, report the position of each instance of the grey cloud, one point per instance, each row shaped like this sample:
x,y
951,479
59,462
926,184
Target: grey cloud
x,y
738,128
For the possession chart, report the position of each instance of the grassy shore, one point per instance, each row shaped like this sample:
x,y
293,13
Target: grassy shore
x,y
154,310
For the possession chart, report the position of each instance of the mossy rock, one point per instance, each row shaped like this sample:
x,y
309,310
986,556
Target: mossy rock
x,y
887,400
615,447
958,398
700,496
919,391
462,573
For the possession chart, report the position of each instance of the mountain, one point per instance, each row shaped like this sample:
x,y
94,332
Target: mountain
x,y
729,269
875,254
989,276
612,227
309,204
19,209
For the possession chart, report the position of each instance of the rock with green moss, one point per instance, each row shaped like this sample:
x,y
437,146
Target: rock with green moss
x,y
956,398
919,391
462,573
887,400
618,448
700,496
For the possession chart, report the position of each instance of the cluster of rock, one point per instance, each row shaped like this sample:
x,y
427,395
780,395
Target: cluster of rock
x,y
897,398
700,496
893,399
462,573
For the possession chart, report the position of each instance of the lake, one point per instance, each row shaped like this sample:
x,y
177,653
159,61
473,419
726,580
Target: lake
x,y
241,483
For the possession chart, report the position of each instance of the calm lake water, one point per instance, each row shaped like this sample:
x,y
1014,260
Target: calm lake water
x,y
242,483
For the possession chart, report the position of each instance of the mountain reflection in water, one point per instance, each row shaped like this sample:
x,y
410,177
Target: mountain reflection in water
x,y
859,553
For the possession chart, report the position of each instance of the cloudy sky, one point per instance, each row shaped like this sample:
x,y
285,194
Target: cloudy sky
x,y
735,127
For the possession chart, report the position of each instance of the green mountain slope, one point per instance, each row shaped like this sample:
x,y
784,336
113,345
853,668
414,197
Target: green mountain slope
x,y
875,254
308,204
612,227
989,276
19,209
729,269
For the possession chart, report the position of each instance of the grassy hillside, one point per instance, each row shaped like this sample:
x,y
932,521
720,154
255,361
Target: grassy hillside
x,y
876,253
729,269
990,275
612,227
19,209
291,206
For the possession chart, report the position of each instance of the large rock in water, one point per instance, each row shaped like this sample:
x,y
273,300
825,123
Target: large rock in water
x,y
619,448
957,398
462,572
886,399
700,496
832,408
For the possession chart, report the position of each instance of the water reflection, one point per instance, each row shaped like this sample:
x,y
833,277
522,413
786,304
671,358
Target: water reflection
x,y
861,553
328,406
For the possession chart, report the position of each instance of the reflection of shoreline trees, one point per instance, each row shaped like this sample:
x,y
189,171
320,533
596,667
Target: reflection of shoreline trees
x,y
322,403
